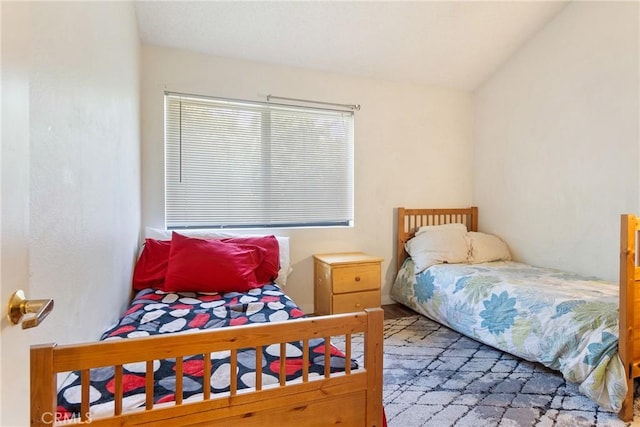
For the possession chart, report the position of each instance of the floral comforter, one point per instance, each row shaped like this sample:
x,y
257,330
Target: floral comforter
x,y
566,322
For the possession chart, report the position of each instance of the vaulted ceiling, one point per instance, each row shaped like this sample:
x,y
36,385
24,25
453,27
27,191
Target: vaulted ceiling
x,y
456,44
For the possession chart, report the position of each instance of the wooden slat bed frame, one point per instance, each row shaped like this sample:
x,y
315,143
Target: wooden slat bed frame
x,y
409,220
352,398
629,336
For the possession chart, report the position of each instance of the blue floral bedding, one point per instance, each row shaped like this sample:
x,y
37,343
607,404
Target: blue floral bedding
x,y
565,321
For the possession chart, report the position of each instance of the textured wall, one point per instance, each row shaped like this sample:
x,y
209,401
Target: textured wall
x,y
556,140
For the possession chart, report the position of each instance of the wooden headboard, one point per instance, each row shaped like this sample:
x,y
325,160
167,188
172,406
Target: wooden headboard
x,y
409,220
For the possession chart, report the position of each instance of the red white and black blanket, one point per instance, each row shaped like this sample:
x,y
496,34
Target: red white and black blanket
x,y
154,312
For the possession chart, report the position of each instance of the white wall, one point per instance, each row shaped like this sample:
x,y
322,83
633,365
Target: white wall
x,y
556,140
84,164
412,147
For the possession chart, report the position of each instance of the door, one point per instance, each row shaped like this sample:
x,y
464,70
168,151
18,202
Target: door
x,y
14,208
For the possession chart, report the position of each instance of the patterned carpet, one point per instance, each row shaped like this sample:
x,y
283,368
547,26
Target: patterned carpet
x,y
436,377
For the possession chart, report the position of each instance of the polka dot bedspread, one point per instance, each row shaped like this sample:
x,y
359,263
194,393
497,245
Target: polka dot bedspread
x,y
154,312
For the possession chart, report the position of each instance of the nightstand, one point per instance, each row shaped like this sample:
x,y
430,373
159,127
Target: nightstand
x,y
346,282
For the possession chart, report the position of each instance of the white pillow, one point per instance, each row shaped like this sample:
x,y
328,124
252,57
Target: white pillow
x,y
437,245
487,248
452,226
283,243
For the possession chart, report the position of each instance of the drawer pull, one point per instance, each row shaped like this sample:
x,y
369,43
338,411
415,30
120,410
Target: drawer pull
x,y
357,278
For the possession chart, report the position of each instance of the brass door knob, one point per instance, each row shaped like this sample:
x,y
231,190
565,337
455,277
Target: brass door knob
x,y
19,306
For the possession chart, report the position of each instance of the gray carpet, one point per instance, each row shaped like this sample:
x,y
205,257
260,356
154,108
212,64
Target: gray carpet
x,y
436,377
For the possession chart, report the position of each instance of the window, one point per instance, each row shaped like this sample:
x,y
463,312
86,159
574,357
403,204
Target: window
x,y
234,164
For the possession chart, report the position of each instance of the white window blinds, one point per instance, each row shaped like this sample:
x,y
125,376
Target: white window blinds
x,y
239,164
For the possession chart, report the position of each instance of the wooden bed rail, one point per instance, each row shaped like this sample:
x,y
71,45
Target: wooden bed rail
x,y
409,220
357,394
629,338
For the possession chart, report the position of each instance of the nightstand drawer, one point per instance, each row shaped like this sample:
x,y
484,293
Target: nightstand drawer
x,y
356,278
346,282
345,303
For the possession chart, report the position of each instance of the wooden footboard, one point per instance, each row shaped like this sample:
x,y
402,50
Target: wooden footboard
x,y
352,398
629,339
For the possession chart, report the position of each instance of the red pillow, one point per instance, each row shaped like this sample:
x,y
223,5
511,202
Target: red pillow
x,y
197,265
151,268
270,266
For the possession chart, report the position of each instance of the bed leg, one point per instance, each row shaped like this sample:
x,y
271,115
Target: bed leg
x,y
626,413
373,364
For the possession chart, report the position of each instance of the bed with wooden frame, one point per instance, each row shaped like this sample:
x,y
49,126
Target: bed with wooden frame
x,y
351,398
410,220
350,394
